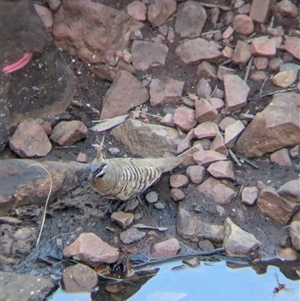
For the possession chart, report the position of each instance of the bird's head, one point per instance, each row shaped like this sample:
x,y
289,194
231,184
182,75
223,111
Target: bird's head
x,y
98,166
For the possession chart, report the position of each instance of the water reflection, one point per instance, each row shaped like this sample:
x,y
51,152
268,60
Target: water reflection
x,y
209,281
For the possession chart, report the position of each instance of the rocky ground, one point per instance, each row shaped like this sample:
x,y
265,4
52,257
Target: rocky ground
x,y
217,84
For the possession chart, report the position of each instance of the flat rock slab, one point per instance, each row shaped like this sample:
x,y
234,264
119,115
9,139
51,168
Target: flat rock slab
x,y
25,287
197,50
125,93
277,126
92,31
144,139
24,185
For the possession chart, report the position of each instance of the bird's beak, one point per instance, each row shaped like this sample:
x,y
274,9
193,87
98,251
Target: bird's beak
x,y
90,178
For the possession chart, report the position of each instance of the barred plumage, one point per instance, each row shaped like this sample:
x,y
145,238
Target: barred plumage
x,y
123,178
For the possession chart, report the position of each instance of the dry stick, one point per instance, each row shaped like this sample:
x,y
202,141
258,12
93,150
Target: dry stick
x,y
221,7
262,87
280,91
247,161
248,70
47,200
233,156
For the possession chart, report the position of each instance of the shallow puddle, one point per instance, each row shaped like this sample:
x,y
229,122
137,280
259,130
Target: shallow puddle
x,y
209,281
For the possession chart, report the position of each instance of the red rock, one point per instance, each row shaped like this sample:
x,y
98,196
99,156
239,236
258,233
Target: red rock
x,y
237,241
280,116
79,278
178,180
45,14
206,70
92,250
285,78
228,32
204,111
160,10
259,10
241,53
243,24
167,248
295,234
30,140
236,92
165,90
216,103
82,158
47,127
206,129
177,194
203,157
69,132
190,19
226,121
281,157
195,173
203,88
125,93
249,195
218,145
292,46
137,10
124,219
187,156
232,132
196,50
222,170
185,118
287,8
276,207
217,191
263,46
148,54
260,63
222,71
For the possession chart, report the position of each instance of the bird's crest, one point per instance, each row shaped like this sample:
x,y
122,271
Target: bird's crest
x,y
100,157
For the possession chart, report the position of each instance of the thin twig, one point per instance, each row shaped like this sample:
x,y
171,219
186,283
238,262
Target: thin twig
x,y
240,192
247,161
262,87
248,70
213,92
47,200
279,91
233,156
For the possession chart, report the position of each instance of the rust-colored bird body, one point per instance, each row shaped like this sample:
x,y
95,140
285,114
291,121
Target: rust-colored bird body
x,y
123,178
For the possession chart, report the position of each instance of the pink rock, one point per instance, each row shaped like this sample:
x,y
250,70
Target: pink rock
x,y
263,46
203,157
177,194
206,129
216,103
287,8
295,234
185,118
217,191
47,127
281,157
228,32
45,14
203,88
206,70
160,10
137,10
124,219
232,132
218,145
249,195
204,111
82,158
69,132
236,92
195,173
178,180
222,170
258,75
243,24
275,63
260,62
30,140
151,197
165,90
166,248
292,46
92,250
222,71
226,121
259,10
187,156
285,78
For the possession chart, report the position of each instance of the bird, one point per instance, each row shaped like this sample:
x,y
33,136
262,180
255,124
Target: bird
x,y
125,178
